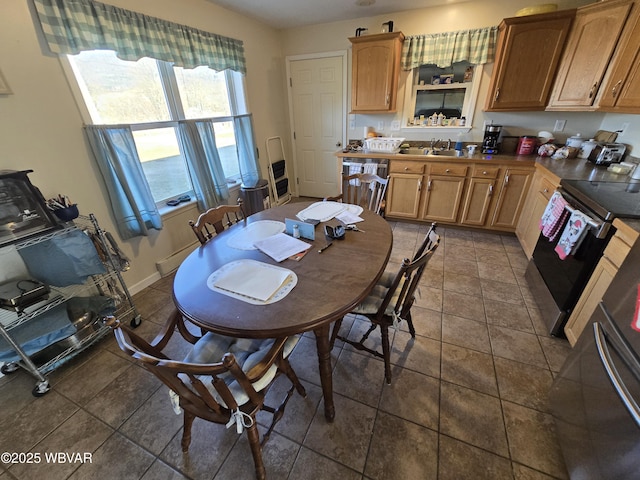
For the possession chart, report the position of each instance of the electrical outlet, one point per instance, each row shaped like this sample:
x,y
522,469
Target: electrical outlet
x,y
380,126
559,126
395,126
623,129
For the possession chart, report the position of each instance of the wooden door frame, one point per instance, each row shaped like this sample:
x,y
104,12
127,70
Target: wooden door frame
x,y
313,56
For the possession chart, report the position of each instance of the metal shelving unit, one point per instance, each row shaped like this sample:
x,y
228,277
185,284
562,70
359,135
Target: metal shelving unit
x,y
87,331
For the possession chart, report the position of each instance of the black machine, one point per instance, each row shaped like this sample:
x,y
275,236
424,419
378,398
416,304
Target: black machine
x,y
491,139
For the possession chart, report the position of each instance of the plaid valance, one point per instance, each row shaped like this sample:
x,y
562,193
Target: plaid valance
x,y
71,26
476,46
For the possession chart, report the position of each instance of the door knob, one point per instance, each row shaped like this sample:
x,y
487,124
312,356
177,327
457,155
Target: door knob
x,y
339,144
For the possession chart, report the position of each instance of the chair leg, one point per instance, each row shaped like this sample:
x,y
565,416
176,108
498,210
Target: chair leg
x,y
285,366
334,333
186,430
386,352
412,330
256,450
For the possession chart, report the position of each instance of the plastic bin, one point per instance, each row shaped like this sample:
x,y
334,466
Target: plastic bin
x,y
255,198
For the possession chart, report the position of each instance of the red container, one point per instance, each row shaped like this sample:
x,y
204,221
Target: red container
x,y
526,145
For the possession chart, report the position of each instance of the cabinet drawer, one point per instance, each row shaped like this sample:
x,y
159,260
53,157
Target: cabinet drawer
x,y
406,167
547,188
616,250
481,171
448,170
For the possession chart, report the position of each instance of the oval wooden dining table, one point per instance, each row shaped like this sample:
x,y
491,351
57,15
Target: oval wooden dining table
x,y
330,284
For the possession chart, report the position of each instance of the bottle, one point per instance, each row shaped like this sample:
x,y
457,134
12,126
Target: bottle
x,y
459,146
296,231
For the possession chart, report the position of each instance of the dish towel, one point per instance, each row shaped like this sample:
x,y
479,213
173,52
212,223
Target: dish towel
x,y
573,234
554,216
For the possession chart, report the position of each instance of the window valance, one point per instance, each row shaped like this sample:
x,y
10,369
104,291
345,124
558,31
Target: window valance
x,y
71,26
443,49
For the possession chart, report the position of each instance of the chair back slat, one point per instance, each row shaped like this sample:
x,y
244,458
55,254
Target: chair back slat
x,y
364,189
216,220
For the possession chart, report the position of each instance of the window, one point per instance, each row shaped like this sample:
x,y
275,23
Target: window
x,y
451,91
152,96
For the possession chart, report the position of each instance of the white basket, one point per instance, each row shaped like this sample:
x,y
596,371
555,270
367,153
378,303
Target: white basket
x,y
383,144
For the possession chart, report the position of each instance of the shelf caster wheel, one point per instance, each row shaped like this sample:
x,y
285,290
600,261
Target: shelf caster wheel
x,y
41,389
136,321
9,368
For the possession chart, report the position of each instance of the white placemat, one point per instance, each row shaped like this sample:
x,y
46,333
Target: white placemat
x,y
322,211
252,281
254,232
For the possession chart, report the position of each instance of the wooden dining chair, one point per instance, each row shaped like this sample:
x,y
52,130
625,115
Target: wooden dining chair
x,y
365,189
390,302
223,380
216,220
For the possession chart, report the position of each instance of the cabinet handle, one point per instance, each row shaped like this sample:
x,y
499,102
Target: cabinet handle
x,y
490,190
406,169
447,170
593,90
419,185
387,98
429,186
614,90
546,190
484,172
506,180
495,99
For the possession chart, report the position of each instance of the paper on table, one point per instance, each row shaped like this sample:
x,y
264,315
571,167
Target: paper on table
x,y
281,246
349,218
253,279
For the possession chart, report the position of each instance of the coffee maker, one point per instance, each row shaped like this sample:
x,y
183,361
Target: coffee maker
x,y
491,138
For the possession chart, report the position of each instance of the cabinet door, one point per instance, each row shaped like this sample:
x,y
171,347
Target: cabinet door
x,y
528,52
477,201
528,228
403,195
375,70
443,198
622,91
511,198
592,40
592,294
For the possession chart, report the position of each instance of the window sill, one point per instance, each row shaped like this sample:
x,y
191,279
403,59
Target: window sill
x,y
167,211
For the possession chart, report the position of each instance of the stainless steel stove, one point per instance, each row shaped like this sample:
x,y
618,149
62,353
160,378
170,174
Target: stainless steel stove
x,y
607,199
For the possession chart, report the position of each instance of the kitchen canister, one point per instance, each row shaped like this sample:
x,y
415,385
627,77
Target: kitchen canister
x,y
526,145
587,147
575,141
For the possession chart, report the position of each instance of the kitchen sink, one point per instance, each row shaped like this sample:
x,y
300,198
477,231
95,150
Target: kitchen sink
x,y
428,152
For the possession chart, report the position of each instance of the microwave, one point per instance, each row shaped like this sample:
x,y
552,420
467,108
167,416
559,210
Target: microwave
x,y
23,210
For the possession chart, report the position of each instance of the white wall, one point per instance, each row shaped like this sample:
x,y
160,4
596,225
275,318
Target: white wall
x,y
459,16
41,128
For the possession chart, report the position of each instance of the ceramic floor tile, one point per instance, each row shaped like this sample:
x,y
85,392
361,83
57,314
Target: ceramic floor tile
x,y
490,271
430,298
346,440
466,333
521,472
518,346
493,256
419,354
464,284
468,368
161,471
310,464
462,266
427,323
501,291
401,449
412,396
472,417
508,315
523,384
555,350
462,305
532,440
359,376
458,460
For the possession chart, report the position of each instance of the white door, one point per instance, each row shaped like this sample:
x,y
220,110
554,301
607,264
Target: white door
x,y
317,105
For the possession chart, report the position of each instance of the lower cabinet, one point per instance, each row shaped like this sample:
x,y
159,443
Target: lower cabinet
x,y
528,228
472,194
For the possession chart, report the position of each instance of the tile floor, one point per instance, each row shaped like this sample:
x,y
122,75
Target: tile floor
x,y
468,398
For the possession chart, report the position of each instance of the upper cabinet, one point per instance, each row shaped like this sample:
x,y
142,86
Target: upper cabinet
x,y
375,72
621,91
595,33
527,56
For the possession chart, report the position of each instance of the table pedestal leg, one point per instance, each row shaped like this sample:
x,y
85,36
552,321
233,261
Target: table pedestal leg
x,y
324,362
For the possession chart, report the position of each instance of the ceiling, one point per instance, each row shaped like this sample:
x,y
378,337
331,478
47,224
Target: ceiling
x,y
283,14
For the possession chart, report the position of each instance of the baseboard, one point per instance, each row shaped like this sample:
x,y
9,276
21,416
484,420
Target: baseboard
x,y
170,264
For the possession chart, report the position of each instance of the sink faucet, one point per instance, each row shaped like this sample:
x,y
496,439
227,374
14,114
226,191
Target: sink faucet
x,y
449,144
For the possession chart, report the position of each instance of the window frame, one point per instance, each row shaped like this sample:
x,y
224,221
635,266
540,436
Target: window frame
x,y
236,96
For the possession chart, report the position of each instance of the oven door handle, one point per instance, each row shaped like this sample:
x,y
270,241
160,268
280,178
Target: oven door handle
x,y
600,228
617,382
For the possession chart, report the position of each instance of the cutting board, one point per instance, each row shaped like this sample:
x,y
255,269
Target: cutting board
x,y
605,137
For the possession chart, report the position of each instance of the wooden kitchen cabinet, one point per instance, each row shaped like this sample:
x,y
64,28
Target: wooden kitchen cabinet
x,y
527,56
404,189
621,92
444,190
511,199
479,195
528,229
375,72
602,276
590,46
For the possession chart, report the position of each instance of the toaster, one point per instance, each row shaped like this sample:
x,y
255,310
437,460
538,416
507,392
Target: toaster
x,y
607,153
